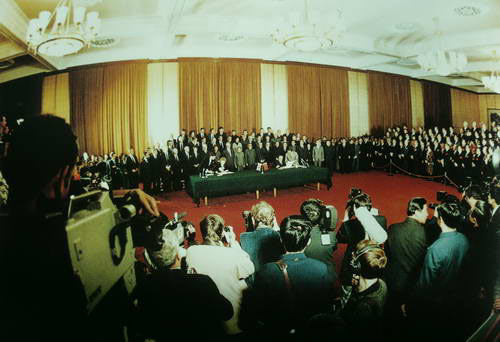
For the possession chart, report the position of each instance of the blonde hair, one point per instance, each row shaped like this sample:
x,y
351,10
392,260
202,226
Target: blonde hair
x,y
264,213
372,261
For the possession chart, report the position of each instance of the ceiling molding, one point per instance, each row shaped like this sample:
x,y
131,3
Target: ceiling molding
x,y
9,50
5,32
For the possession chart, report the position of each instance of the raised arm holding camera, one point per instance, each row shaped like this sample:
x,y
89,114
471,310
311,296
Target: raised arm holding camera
x,y
359,224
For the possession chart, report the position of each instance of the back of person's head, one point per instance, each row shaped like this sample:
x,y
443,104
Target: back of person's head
x,y
166,255
370,259
212,228
495,194
415,204
40,148
450,214
362,200
480,214
312,209
474,191
263,214
295,233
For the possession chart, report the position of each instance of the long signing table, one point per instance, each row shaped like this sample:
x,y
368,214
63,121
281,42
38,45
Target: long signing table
x,y
250,181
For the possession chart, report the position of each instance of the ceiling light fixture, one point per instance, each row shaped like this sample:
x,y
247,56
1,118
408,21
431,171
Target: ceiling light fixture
x,y
440,61
64,37
493,81
307,32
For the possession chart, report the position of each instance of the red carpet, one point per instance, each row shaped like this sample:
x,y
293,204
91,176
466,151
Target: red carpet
x,y
389,194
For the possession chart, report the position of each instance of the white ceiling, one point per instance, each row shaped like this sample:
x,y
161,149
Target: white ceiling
x,y
378,32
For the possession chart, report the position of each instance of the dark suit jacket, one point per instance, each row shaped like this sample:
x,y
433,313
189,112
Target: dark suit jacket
x,y
198,306
311,290
351,232
262,245
229,159
405,250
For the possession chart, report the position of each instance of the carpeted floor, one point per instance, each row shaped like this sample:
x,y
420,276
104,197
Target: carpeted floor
x,y
389,194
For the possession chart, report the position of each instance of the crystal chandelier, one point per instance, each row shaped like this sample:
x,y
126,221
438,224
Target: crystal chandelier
x,y
493,81
64,37
305,32
440,61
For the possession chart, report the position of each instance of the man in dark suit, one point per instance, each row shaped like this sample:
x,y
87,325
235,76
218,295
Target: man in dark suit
x,y
355,229
222,134
186,164
146,173
405,249
201,134
176,169
287,293
132,165
494,201
200,309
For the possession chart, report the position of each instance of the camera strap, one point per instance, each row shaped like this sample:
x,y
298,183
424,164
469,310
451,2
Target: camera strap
x,y
283,267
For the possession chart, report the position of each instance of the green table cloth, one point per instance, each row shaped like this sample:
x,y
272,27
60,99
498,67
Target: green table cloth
x,y
249,181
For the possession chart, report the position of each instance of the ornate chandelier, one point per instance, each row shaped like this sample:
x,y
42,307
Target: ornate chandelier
x,y
493,81
440,61
302,33
64,37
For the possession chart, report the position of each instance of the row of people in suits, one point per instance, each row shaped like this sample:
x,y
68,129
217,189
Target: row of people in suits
x,y
431,152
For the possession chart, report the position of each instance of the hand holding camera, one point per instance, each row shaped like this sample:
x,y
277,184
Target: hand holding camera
x,y
229,235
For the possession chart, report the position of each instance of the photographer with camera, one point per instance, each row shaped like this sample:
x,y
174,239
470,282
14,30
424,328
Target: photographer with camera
x,y
261,240
222,259
323,240
172,301
361,222
47,297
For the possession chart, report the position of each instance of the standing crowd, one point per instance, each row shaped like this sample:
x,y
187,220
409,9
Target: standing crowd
x,y
446,155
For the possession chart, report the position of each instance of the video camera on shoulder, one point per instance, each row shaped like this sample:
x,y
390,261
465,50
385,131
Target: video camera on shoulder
x,y
100,244
320,214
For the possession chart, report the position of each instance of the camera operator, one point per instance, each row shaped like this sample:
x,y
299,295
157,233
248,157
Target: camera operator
x,y
46,297
173,302
222,259
264,243
360,223
323,240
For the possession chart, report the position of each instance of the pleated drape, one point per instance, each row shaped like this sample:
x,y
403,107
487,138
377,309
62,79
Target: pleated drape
x,y
55,96
109,108
219,93
318,101
437,104
389,100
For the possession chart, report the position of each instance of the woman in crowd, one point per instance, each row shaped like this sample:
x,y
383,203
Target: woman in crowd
x,y
222,259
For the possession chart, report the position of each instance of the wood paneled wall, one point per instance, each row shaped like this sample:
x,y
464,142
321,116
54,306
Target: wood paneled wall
x,y
464,107
487,102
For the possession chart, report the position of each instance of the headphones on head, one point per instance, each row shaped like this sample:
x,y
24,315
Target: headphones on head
x,y
355,263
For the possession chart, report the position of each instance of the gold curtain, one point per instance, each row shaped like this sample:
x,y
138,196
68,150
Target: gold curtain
x,y
109,108
219,93
389,100
334,88
198,90
55,96
318,101
239,95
